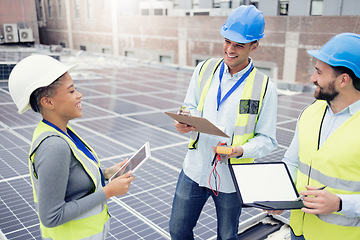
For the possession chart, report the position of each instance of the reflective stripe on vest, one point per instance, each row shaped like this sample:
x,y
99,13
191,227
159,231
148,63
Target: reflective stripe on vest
x,y
88,224
248,108
329,165
204,73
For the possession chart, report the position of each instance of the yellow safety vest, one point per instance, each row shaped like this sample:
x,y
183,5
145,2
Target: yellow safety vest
x,y
248,109
90,225
335,164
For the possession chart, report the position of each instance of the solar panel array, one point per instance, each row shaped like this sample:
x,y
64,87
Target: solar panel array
x,y
123,107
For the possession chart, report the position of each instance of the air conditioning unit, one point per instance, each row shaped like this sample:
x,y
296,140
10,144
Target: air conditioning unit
x,y
26,35
10,33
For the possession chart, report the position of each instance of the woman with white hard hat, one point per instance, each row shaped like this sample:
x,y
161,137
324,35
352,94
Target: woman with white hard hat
x,y
68,185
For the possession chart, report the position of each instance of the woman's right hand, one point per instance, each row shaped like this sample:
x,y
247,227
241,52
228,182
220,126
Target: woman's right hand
x,y
119,186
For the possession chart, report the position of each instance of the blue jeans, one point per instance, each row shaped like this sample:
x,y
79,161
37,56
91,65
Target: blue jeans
x,y
188,202
293,237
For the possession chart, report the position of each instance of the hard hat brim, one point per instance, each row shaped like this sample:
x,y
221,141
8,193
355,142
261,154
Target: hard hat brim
x,y
318,54
341,50
233,36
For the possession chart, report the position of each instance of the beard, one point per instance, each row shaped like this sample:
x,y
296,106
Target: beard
x,y
327,95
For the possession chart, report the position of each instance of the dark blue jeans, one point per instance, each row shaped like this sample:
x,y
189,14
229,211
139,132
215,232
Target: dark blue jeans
x,y
188,203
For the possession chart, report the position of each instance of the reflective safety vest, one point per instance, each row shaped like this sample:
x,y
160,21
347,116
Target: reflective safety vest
x,y
248,108
91,225
335,164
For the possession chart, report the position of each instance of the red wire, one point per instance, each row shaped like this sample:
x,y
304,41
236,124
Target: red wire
x,y
212,172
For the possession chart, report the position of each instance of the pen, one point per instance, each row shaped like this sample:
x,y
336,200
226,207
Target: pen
x,y
301,197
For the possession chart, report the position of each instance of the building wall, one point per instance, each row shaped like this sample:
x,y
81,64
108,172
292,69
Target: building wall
x,y
21,12
187,40
350,7
299,7
269,7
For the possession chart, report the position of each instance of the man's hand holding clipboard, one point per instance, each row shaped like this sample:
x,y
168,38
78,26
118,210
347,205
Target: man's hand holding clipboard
x,y
198,124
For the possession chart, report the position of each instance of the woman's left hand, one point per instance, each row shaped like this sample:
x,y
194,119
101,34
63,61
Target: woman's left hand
x,y
112,170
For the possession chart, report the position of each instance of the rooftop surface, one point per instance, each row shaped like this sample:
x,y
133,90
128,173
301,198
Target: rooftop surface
x,y
123,107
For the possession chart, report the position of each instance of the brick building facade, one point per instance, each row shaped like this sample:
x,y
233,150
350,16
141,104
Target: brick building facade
x,y
184,40
187,40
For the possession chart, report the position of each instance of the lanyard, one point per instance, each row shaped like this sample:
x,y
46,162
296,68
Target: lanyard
x,y
79,144
236,85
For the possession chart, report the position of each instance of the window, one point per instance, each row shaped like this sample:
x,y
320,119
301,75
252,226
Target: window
x,y
102,5
49,8
201,13
145,12
225,3
90,8
130,54
77,8
316,7
165,59
195,4
82,47
283,8
40,12
255,3
106,50
197,61
265,70
60,8
158,11
176,3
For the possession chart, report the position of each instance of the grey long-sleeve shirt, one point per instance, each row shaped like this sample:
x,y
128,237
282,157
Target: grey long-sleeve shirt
x,y
65,189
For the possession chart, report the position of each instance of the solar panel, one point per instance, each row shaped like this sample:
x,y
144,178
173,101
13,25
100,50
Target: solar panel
x,y
122,108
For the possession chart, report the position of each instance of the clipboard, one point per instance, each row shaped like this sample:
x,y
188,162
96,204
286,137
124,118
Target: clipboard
x,y
201,125
265,185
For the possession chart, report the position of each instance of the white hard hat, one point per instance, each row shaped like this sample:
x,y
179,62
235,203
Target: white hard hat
x,y
32,73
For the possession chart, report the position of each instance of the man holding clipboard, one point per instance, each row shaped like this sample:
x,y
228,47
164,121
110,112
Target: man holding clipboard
x,y
233,95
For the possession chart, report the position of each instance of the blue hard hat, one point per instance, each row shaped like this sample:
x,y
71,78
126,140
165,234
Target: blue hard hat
x,y
341,50
245,24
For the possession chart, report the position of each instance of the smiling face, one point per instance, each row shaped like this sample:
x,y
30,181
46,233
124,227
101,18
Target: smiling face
x,y
236,55
66,102
325,81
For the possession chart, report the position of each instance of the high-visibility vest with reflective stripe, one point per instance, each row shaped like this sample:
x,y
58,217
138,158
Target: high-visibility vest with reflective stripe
x,y
248,108
335,164
92,222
